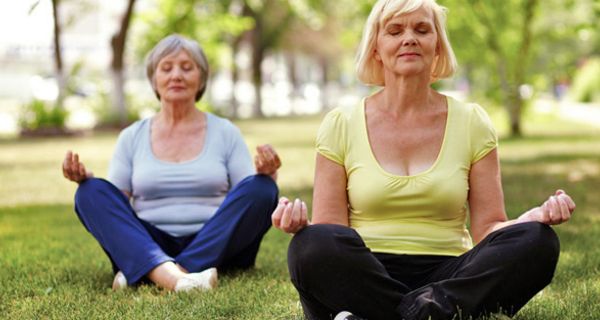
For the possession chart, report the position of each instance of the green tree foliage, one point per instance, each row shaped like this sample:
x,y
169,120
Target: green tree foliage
x,y
504,44
209,22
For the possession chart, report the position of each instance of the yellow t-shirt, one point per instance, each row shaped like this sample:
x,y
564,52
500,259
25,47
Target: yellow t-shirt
x,y
424,213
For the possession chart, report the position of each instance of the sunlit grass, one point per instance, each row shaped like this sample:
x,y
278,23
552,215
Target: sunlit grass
x,y
52,268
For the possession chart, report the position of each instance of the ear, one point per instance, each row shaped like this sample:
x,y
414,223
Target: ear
x,y
376,55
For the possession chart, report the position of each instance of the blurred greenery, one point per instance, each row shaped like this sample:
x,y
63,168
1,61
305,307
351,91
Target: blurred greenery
x,y
586,82
510,52
41,116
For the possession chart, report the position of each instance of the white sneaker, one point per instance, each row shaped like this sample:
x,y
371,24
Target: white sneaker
x,y
205,280
119,282
345,315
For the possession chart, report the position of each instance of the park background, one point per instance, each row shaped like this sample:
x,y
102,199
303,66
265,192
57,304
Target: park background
x,y
72,74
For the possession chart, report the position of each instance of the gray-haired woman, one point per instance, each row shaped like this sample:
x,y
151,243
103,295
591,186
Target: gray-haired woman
x,y
182,198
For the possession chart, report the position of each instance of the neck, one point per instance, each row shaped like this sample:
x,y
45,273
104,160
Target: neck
x,y
407,95
174,113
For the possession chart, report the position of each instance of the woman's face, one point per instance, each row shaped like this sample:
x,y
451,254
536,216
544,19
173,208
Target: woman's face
x,y
177,77
407,44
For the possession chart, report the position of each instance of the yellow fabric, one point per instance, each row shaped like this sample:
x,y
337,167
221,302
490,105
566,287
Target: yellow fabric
x,y
421,214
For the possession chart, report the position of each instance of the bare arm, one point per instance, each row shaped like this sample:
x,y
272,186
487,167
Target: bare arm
x,y
486,201
330,198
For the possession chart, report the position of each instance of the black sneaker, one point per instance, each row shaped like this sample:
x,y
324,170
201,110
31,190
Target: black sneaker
x,y
345,315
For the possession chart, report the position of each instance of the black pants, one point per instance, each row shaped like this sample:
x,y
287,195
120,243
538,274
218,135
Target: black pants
x,y
333,270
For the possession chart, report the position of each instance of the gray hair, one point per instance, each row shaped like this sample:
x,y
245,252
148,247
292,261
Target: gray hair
x,y
370,71
175,43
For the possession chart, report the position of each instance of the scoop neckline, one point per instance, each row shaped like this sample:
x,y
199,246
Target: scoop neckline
x,y
195,158
431,168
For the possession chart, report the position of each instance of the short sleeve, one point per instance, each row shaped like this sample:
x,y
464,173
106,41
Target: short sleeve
x,y
120,169
239,161
332,137
482,134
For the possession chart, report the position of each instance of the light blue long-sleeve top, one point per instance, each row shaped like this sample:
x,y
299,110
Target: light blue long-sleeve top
x,y
179,198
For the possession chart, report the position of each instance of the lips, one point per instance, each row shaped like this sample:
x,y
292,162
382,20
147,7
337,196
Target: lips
x,y
409,54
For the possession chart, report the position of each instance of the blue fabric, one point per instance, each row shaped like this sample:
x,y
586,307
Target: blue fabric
x,y
230,239
181,197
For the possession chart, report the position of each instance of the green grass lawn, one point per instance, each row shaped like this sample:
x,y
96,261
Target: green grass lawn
x,y
52,268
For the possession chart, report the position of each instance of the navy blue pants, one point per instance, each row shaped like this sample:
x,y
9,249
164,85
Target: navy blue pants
x,y
229,240
333,270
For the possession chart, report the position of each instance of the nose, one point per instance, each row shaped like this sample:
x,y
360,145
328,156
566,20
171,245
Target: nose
x,y
409,39
176,73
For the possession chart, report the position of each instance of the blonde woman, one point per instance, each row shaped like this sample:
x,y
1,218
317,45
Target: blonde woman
x,y
396,179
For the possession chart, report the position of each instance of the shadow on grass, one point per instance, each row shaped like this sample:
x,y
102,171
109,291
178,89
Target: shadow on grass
x,y
553,158
558,137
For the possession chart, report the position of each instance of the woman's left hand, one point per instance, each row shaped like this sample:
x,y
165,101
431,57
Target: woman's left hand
x,y
556,210
266,160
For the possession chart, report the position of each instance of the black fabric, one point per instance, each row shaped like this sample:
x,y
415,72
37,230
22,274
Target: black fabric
x,y
333,270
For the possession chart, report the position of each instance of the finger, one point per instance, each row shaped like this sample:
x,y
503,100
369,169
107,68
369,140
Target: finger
x,y
82,171
545,213
549,209
268,154
75,163
287,214
67,162
559,192
570,203
278,212
555,215
258,164
296,213
304,216
70,169
272,153
276,216
565,213
260,151
65,168
284,200
276,160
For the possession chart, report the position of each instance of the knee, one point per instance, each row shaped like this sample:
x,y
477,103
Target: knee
x,y
537,251
93,190
259,188
320,247
542,241
90,188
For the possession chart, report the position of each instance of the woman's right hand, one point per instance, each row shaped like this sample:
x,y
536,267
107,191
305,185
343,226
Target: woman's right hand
x,y
73,169
290,216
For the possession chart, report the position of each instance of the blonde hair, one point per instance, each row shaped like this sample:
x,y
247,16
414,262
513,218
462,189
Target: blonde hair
x,y
370,71
175,43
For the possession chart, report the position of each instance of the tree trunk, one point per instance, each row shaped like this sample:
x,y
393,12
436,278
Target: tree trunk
x,y
61,79
511,76
117,43
235,76
520,69
325,69
292,67
118,98
258,54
